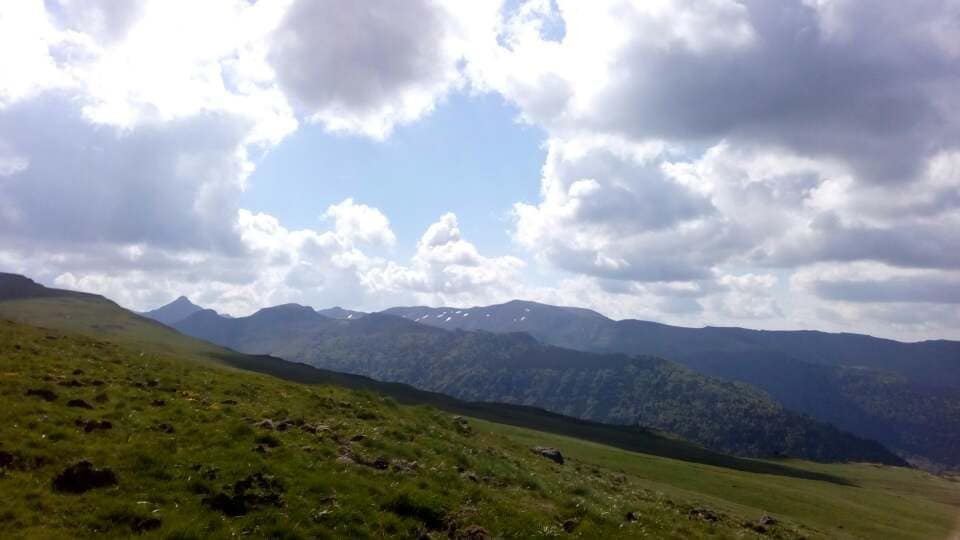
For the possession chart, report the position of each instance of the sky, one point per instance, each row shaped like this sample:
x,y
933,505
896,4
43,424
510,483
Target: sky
x,y
775,164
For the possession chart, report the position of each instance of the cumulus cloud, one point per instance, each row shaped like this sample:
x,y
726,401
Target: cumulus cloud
x,y
446,268
871,84
776,137
361,223
612,209
172,185
791,162
156,118
367,66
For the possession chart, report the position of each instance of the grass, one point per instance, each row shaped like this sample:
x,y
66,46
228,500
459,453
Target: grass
x,y
878,501
301,485
203,444
100,318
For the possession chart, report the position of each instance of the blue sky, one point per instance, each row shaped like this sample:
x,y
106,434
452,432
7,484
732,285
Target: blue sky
x,y
698,162
471,156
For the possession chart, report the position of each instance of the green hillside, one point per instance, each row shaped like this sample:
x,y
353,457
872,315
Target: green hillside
x,y
97,317
185,456
903,395
513,368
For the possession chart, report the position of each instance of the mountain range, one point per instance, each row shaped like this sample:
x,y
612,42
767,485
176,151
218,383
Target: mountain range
x,y
516,368
901,394
116,425
735,390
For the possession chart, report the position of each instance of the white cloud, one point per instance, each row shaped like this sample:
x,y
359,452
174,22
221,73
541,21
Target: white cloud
x,y
448,269
360,223
364,67
789,162
613,209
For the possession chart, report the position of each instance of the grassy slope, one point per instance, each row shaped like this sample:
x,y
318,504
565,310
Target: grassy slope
x,y
101,318
918,505
881,502
167,476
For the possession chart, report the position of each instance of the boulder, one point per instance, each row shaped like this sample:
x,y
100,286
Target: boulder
x,y
255,491
704,513
462,425
550,453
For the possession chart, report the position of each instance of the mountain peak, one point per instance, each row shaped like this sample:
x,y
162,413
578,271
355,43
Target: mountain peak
x,y
174,312
338,312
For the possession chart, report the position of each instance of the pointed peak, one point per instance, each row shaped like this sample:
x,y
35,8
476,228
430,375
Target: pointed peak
x,y
175,311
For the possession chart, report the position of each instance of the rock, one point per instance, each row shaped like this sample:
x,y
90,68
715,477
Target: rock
x,y
142,525
266,423
403,465
462,426
767,520
358,437
704,513
570,525
309,428
633,516
550,453
83,477
254,491
380,463
79,403
43,393
285,424
472,532
93,425
470,475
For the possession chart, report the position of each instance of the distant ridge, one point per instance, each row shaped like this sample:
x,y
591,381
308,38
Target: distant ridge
x,y
902,394
513,367
338,312
174,312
